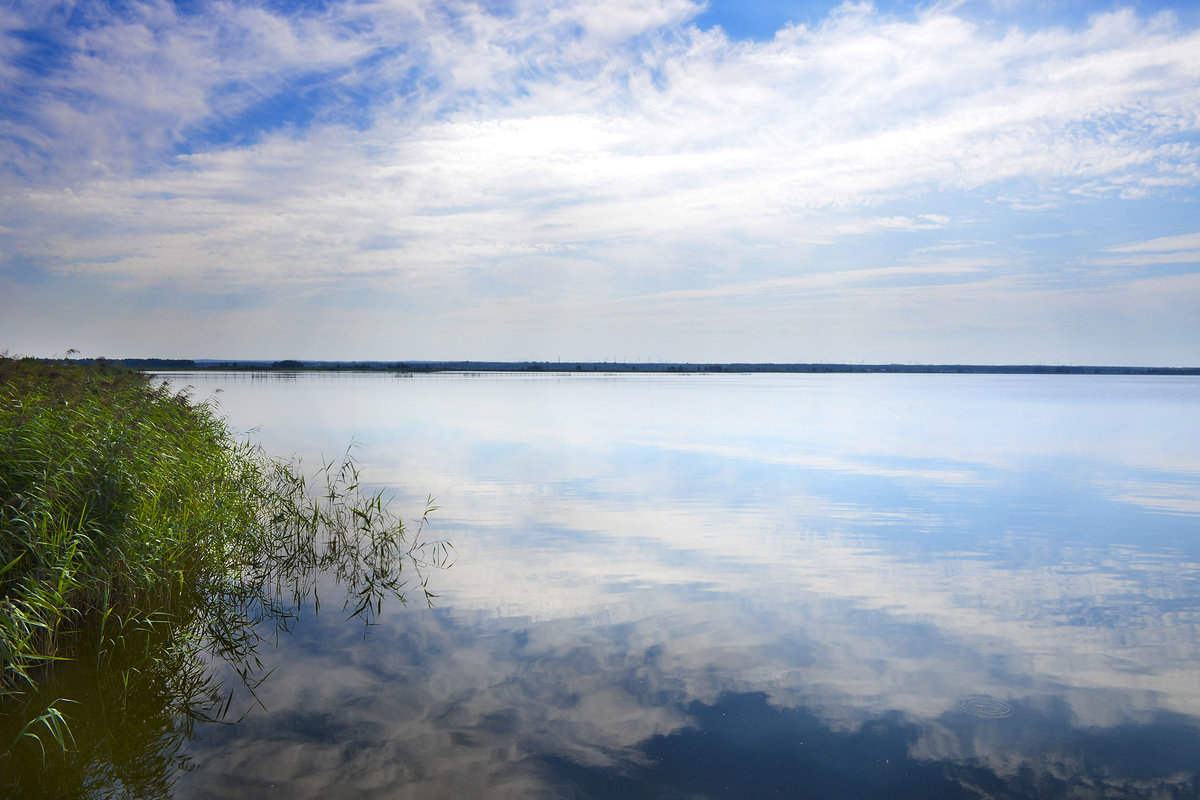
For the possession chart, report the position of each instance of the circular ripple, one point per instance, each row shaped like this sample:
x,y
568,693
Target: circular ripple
x,y
986,707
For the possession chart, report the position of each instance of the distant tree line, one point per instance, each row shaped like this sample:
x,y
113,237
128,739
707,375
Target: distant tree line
x,y
292,365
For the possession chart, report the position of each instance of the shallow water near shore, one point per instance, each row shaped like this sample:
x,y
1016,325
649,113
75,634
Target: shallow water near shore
x,y
737,586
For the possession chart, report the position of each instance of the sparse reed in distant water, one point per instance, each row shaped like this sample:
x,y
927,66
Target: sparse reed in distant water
x,y
122,502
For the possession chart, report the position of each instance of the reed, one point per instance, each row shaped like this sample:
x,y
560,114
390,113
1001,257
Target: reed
x,y
124,504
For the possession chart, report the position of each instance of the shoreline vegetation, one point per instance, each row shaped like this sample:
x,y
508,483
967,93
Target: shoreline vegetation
x,y
297,365
142,539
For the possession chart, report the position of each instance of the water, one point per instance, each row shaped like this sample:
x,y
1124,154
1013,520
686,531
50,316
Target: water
x,y
740,586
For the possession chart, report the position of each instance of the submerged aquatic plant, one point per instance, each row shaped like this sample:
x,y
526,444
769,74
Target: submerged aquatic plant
x,y
141,539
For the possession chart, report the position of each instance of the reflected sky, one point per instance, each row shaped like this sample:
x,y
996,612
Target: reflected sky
x,y
728,586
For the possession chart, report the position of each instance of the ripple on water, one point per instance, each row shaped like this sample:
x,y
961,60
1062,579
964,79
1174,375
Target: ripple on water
x,y
986,707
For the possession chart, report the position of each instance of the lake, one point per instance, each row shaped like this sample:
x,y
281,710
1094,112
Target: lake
x,y
692,586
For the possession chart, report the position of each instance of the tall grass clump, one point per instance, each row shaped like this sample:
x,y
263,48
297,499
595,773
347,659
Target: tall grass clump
x,y
115,494
124,504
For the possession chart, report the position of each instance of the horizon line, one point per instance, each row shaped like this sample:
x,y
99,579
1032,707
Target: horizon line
x,y
531,365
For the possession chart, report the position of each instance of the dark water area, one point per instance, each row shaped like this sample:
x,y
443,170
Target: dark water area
x,y
693,586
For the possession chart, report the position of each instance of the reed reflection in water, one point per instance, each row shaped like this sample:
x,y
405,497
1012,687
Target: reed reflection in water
x,y
134,693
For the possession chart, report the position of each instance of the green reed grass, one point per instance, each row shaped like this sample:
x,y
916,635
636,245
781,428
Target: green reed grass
x,y
123,504
114,493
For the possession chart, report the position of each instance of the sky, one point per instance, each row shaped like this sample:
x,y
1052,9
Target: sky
x,y
965,181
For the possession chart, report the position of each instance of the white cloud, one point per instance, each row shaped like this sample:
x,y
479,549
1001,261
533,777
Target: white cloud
x,y
1182,249
1167,244
447,143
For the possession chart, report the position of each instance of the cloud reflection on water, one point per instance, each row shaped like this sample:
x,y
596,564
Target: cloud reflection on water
x,y
830,554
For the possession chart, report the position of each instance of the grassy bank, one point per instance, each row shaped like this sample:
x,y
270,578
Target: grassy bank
x,y
123,503
115,494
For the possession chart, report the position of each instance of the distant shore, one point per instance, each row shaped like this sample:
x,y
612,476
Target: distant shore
x,y
299,365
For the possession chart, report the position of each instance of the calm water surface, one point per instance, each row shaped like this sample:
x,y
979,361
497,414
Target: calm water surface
x,y
744,586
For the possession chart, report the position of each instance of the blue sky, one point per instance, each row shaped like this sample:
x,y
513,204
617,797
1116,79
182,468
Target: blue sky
x,y
1012,181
